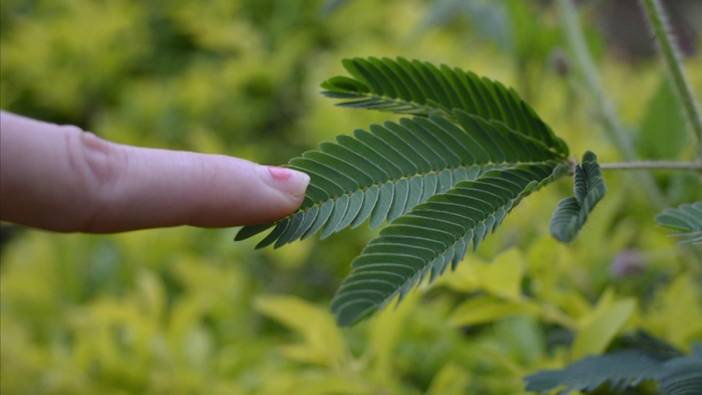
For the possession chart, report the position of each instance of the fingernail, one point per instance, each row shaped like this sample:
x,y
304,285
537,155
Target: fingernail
x,y
289,181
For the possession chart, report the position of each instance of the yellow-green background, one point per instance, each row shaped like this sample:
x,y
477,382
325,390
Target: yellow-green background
x,y
188,311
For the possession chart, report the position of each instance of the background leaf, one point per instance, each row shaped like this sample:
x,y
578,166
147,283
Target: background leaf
x,y
682,376
323,343
619,369
601,326
686,219
662,129
622,369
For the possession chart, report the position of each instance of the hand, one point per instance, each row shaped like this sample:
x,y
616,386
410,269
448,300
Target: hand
x,y
63,179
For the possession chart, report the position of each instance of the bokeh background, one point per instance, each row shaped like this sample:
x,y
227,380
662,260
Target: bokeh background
x,y
188,311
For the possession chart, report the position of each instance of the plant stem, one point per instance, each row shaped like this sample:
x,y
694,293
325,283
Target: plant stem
x,y
661,28
608,116
652,165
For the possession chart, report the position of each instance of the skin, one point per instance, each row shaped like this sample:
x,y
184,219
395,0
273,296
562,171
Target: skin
x,y
63,179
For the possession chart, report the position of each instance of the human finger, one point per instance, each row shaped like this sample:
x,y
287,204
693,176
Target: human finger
x,y
61,178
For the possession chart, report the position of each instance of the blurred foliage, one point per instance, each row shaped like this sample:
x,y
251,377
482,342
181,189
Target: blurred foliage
x,y
186,311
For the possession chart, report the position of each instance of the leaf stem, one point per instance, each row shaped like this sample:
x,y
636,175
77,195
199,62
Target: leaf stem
x,y
607,114
652,165
661,28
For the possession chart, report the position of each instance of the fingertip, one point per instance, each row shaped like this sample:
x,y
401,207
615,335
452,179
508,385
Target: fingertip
x,y
290,182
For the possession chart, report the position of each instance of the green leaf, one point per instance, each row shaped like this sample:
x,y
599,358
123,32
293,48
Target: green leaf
x,y
434,235
420,88
482,309
599,328
619,369
383,173
502,277
572,212
489,19
330,6
686,219
322,343
656,347
682,376
662,132
452,379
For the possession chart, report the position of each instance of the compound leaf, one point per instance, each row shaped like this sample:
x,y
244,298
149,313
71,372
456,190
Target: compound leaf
x,y
572,212
444,179
619,369
681,376
686,219
674,375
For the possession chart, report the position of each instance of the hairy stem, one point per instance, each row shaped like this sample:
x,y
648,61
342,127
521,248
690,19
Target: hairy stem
x,y
661,28
607,114
652,165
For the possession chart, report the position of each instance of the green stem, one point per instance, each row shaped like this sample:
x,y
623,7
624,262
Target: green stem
x,y
607,114
652,165
661,28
